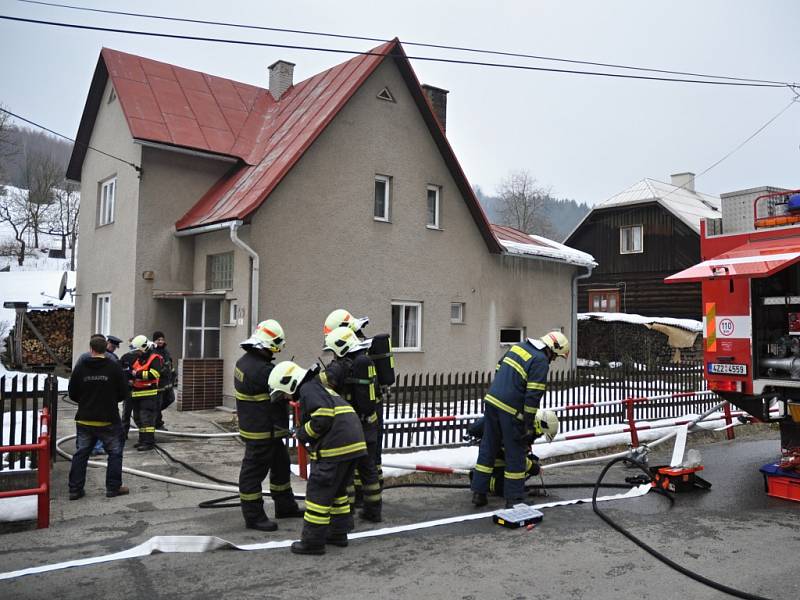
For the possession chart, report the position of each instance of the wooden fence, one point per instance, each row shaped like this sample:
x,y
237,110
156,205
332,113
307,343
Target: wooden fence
x,y
21,399
434,395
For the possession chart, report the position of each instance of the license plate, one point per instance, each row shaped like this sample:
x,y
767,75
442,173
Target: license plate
x,y
727,369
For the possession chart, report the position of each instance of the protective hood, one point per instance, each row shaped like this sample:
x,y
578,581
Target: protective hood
x,y
537,343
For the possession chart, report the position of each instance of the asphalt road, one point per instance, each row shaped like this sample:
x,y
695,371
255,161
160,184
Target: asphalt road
x,y
734,534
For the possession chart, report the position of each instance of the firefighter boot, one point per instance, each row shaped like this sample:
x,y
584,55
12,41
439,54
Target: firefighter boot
x,y
303,547
287,508
255,517
371,512
479,499
337,539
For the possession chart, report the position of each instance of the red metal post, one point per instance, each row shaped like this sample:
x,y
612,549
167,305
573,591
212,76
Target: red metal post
x,y
728,421
302,455
43,512
632,422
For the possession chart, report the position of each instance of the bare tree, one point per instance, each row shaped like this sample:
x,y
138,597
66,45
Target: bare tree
x,y
14,211
63,218
42,175
6,148
521,202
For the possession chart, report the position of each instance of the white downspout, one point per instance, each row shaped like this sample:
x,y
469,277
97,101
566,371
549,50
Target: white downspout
x,y
573,334
235,225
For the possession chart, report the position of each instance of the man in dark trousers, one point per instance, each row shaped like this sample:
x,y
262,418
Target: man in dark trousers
x,y
264,427
97,384
352,375
332,429
145,383
112,343
167,381
512,416
126,362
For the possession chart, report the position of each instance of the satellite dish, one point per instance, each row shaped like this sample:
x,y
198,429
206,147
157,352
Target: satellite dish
x,y
62,287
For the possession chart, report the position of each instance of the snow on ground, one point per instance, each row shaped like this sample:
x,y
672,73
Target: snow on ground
x,y
37,288
688,324
23,508
30,377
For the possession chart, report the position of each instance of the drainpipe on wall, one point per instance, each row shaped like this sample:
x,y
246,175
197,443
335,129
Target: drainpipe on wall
x,y
573,342
235,225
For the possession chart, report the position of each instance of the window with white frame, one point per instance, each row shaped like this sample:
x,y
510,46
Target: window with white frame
x,y
201,326
511,335
219,271
407,326
456,312
105,207
102,313
383,186
630,239
433,206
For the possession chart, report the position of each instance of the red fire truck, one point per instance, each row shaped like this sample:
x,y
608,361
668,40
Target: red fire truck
x,y
750,276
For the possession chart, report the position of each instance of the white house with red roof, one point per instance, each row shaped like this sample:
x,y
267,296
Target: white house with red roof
x,y
209,205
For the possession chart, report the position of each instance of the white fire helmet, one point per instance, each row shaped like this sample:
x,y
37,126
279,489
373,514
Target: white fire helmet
x,y
285,378
341,340
546,422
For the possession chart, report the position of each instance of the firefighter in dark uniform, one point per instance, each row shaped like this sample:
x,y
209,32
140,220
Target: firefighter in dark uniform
x,y
145,377
331,428
512,416
352,375
264,426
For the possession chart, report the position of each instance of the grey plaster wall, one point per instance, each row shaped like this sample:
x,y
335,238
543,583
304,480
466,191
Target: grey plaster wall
x,y
106,255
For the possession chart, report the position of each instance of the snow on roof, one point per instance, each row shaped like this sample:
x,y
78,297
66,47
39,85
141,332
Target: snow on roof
x,y
688,206
611,317
518,242
29,286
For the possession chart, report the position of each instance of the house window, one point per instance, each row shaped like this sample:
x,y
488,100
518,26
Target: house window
x,y
219,271
630,239
102,313
603,300
456,312
407,326
382,188
433,206
511,335
105,208
201,323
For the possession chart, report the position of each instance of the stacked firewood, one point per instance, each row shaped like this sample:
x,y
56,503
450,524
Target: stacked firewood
x,y
56,328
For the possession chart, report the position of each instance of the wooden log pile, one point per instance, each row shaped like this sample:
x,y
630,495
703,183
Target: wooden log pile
x,y
56,327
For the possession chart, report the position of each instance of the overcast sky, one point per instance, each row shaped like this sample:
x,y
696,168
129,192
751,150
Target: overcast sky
x,y
586,137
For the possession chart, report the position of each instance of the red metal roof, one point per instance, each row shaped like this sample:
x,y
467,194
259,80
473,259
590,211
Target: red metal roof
x,y
751,260
504,232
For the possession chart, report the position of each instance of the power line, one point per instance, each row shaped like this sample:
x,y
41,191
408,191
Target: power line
x,y
61,135
357,52
406,43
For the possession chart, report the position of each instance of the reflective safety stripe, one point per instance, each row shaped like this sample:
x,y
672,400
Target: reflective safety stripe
x,y
515,475
483,469
155,374
372,374
372,498
530,410
323,510
521,352
497,368
283,487
317,520
95,423
250,497
499,462
147,429
372,418
310,431
323,379
370,487
323,412
341,450
251,398
263,435
532,385
143,393
502,406
515,365
340,410
341,510
491,484
528,464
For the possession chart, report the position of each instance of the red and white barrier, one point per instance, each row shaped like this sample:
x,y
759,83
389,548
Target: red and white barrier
x,y
427,469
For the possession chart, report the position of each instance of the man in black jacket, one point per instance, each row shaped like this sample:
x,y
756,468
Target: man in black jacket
x,y
331,428
97,384
168,376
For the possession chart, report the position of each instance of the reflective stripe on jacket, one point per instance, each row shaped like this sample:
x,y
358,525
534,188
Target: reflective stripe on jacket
x,y
520,381
260,420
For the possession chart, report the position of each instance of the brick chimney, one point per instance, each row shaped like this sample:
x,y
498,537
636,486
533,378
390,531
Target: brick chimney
x,y
438,100
683,180
280,77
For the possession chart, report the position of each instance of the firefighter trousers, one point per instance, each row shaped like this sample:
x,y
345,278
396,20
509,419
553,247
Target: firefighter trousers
x,y
502,430
366,484
145,411
327,505
262,458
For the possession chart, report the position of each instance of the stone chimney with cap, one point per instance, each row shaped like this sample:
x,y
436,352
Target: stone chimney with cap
x,y
280,77
438,99
683,180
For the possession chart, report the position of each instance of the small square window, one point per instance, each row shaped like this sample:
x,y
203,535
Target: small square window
x,y
382,195
456,312
219,271
105,206
511,335
630,240
433,206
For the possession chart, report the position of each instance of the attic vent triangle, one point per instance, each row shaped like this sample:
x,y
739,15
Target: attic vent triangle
x,y
385,94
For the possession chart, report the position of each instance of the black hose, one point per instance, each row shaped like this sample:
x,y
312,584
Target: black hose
x,y
652,551
195,470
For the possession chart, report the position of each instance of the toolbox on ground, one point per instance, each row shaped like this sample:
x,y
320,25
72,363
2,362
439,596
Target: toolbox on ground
x,y
781,483
678,479
521,515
